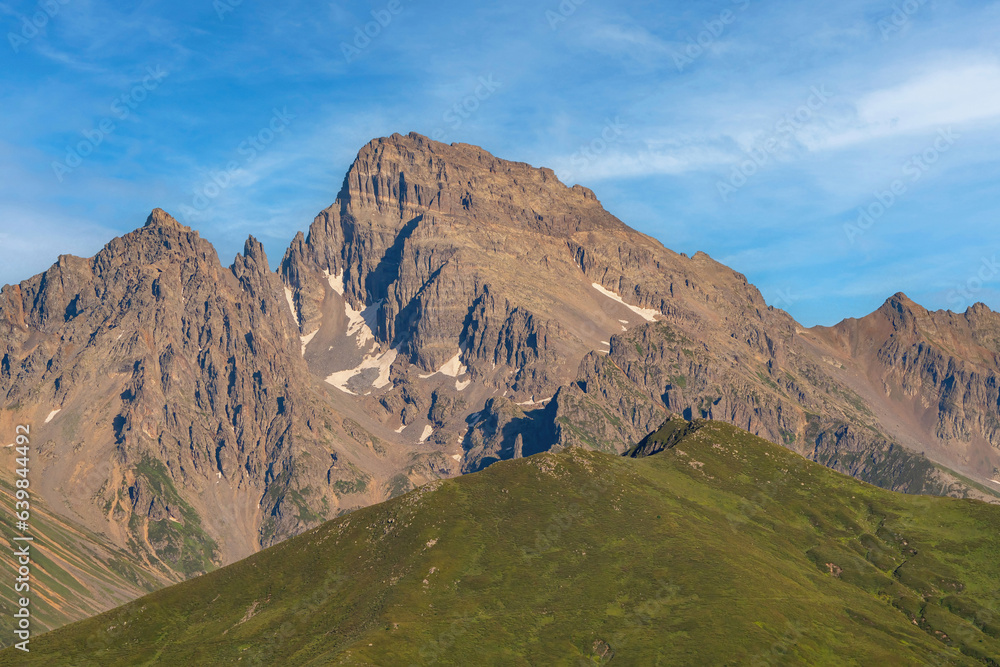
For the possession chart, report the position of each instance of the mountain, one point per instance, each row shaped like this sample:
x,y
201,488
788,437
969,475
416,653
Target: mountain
x,y
450,310
483,289
874,405
80,573
718,548
930,377
161,389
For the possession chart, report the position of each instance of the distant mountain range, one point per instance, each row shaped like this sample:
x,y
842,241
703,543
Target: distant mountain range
x,y
448,311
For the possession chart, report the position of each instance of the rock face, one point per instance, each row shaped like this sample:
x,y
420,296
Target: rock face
x,y
435,242
176,416
473,277
449,310
930,377
484,279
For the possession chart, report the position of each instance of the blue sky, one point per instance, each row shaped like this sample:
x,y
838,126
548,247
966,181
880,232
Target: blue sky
x,y
836,153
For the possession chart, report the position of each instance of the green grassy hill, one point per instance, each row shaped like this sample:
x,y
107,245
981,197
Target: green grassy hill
x,y
721,549
74,573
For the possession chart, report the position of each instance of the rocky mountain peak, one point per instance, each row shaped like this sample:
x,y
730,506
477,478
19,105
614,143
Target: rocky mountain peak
x,y
900,300
160,218
254,249
901,311
160,239
979,310
414,175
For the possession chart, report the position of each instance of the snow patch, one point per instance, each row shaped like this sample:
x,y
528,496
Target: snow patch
x,y
306,340
648,314
534,402
452,368
383,362
401,428
361,323
52,415
336,282
291,305
457,457
428,432
461,386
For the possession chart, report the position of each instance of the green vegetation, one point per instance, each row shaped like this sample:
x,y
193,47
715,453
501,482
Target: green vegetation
x,y
298,498
183,545
399,485
969,482
586,421
588,413
722,549
345,487
74,573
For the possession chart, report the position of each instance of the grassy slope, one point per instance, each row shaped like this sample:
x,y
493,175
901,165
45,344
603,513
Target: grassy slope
x,y
74,573
723,549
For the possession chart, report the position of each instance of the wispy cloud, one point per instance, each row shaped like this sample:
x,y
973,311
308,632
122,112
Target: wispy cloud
x,y
961,93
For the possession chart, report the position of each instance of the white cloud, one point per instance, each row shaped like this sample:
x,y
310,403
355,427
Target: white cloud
x,y
954,95
960,91
938,98
627,38
621,163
